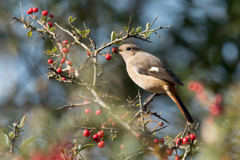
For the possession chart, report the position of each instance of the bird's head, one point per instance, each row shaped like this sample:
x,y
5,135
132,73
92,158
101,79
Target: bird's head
x,y
128,50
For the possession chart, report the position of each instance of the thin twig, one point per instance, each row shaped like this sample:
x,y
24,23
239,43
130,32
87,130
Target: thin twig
x,y
153,21
74,105
129,24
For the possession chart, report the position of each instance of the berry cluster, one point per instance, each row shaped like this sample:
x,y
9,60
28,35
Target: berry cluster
x,y
214,102
96,137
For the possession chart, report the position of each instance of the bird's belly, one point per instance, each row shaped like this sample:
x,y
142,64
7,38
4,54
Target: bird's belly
x,y
149,83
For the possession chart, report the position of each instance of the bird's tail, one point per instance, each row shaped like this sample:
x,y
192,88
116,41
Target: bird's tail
x,y
182,108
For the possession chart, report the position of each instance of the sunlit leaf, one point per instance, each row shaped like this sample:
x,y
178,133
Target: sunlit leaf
x,y
85,146
73,20
77,30
23,120
54,49
11,135
51,29
29,33
132,30
25,143
113,36
147,26
70,19
138,29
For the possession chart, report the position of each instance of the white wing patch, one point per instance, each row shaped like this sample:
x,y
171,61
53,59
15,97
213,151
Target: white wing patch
x,y
136,69
154,69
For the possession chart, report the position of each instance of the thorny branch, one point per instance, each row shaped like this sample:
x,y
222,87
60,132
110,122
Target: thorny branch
x,y
56,41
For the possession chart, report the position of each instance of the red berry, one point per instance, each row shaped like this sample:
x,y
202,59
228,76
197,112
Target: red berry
x,y
193,136
96,138
86,101
86,133
177,158
123,117
65,42
49,24
71,71
88,53
51,15
63,78
122,146
30,11
161,140
114,124
109,120
195,86
161,124
217,98
156,141
185,141
59,70
108,56
138,136
101,144
35,9
50,61
169,151
99,112
69,63
114,49
65,50
88,111
215,110
44,13
179,141
101,134
63,60
104,125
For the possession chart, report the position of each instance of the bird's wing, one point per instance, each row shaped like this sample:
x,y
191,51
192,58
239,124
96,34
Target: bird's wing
x,y
150,65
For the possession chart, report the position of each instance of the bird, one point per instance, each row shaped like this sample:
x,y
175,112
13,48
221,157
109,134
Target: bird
x,y
151,74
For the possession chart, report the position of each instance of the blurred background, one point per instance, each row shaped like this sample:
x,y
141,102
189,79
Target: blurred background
x,y
202,45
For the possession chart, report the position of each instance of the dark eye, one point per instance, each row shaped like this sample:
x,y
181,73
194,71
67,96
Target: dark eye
x,y
128,48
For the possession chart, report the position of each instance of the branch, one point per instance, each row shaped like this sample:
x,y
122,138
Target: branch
x,y
74,105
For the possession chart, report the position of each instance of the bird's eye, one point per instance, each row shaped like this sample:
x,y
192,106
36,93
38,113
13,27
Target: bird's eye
x,y
128,48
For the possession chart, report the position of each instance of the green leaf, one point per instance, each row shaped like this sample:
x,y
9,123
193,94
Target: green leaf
x,y
113,36
73,20
11,135
125,28
43,19
85,146
147,26
48,51
25,143
149,33
23,120
29,33
6,135
132,30
118,43
54,49
138,29
85,31
51,29
78,31
70,19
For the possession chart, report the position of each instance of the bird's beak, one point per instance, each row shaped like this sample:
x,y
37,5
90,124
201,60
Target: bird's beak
x,y
119,50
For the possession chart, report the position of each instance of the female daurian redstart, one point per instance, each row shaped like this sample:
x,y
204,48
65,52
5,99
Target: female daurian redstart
x,y
151,74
